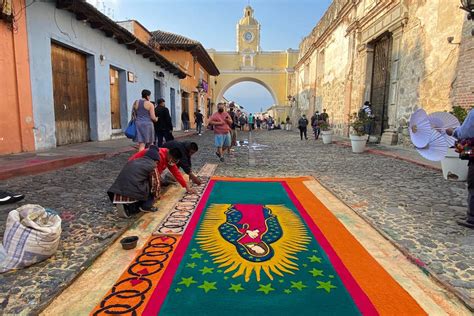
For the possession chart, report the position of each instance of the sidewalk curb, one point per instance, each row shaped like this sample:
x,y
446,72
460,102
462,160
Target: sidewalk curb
x,y
390,155
54,164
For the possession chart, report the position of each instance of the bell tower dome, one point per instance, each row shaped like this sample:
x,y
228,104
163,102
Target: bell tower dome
x,y
248,32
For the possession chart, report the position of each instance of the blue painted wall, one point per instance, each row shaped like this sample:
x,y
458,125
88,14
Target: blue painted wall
x,y
46,24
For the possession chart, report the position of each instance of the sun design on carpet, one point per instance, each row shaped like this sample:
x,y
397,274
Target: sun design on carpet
x,y
247,239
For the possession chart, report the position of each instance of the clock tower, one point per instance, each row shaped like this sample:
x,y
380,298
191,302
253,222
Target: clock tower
x,y
248,33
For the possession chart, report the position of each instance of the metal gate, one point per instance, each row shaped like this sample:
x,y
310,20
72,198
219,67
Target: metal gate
x,y
71,101
381,83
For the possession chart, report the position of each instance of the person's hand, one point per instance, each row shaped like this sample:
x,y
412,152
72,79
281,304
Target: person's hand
x,y
197,181
190,190
450,131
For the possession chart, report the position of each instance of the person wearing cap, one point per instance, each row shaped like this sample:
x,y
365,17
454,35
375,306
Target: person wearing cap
x,y
137,185
221,122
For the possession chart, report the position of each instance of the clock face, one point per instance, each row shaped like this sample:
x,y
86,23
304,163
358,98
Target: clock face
x,y
248,36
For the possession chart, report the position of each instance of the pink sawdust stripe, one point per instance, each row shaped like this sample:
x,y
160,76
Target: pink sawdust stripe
x,y
162,288
358,295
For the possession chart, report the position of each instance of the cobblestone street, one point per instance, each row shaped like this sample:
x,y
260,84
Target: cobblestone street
x,y
416,208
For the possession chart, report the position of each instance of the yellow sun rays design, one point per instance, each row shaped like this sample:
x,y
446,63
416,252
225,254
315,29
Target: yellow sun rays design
x,y
294,239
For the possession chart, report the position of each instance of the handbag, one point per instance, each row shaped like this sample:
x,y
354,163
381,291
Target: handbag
x,y
131,130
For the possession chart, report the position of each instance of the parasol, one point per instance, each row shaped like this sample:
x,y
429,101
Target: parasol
x,y
436,148
443,120
420,128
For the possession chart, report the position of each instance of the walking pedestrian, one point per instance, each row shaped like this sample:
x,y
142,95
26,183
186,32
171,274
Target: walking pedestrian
x,y
221,122
325,116
366,113
185,120
242,120
164,126
315,124
288,123
303,126
199,120
466,132
144,114
259,122
251,122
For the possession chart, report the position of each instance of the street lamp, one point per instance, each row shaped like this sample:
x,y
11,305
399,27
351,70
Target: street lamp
x,y
468,5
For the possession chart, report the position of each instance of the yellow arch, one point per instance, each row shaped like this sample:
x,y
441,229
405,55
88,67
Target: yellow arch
x,y
231,81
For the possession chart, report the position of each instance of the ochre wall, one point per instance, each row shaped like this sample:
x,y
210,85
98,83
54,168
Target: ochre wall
x,y
16,115
192,68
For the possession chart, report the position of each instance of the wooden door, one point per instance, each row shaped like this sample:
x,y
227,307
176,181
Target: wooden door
x,y
173,105
115,98
71,101
381,83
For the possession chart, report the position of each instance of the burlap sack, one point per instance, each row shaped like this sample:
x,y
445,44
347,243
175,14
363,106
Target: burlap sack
x,y
32,235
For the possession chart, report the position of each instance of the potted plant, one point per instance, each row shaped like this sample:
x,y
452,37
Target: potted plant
x,y
326,132
358,136
455,169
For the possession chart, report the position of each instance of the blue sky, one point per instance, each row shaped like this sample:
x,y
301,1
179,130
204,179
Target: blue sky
x,y
212,22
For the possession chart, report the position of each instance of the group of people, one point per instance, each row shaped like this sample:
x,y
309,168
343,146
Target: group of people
x,y
316,122
138,184
198,120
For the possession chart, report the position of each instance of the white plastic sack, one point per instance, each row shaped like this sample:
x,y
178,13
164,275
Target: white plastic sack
x,y
32,235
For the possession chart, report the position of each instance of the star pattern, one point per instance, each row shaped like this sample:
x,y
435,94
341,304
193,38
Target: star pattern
x,y
313,258
191,265
236,287
298,285
177,290
327,286
206,270
207,286
187,281
196,255
265,288
287,291
316,272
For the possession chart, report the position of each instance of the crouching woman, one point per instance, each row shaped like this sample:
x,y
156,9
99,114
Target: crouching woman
x,y
137,187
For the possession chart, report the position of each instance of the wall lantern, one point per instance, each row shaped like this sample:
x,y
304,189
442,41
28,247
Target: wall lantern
x,y
161,74
468,5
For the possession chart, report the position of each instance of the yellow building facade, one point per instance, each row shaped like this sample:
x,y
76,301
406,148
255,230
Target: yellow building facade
x,y
271,69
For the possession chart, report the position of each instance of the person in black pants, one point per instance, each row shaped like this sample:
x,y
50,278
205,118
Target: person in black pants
x,y
303,126
199,120
164,126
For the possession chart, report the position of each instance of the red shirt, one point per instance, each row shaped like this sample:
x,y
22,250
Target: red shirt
x,y
162,165
224,128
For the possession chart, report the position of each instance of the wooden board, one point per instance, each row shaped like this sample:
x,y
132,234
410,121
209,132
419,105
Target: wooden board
x,y
115,98
71,101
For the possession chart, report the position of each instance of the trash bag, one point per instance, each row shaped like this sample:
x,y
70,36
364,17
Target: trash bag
x,y
32,235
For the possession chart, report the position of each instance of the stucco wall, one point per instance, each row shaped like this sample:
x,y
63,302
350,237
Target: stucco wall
x,y
16,114
46,24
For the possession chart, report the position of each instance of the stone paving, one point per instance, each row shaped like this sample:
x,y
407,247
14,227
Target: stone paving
x,y
411,205
89,225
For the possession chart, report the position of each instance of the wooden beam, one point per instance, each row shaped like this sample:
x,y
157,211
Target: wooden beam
x,y
96,24
131,46
81,16
64,4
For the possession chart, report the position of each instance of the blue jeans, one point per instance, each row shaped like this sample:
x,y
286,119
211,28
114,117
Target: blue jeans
x,y
186,125
199,128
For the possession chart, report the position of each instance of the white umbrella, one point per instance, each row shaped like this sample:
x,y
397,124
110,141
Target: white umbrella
x,y
420,128
443,120
436,148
